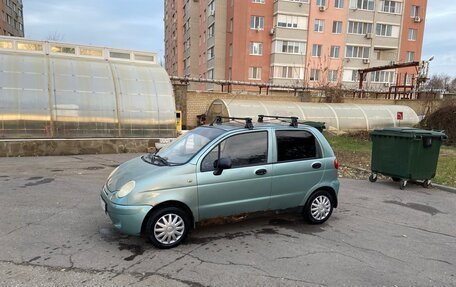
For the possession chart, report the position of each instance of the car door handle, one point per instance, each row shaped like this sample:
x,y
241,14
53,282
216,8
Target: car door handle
x,y
316,165
261,172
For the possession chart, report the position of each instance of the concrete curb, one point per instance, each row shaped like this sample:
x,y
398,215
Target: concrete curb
x,y
444,188
438,186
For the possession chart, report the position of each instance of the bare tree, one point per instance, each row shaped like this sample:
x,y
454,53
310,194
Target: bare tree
x,y
55,36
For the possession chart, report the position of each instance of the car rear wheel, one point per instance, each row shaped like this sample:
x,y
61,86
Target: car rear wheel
x,y
167,227
319,207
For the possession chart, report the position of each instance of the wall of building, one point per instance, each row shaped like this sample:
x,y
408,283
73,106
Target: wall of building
x,y
12,18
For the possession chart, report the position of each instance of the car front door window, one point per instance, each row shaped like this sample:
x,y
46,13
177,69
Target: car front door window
x,y
244,150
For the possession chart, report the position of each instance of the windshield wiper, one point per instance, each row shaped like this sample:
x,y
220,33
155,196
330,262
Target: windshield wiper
x,y
156,157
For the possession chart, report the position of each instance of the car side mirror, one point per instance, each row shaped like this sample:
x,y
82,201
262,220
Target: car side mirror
x,y
221,164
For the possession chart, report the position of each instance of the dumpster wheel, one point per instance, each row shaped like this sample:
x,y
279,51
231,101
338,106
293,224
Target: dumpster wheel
x,y
403,184
373,177
426,183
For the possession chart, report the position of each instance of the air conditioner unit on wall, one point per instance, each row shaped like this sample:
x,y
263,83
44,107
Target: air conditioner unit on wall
x,y
368,36
322,8
417,19
271,32
212,13
366,61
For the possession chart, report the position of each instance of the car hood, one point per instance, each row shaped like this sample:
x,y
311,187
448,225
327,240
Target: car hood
x,y
134,169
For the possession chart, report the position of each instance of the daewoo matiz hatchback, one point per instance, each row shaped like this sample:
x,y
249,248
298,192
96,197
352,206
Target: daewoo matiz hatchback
x,y
219,170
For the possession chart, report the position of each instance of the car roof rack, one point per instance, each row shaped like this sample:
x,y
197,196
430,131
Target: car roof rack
x,y
248,121
294,120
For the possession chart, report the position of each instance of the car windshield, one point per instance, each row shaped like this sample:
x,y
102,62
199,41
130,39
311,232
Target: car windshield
x,y
183,148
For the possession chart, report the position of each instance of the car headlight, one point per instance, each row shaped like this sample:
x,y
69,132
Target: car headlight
x,y
126,189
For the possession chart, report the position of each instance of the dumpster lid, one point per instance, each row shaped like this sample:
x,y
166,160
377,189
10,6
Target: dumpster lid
x,y
408,133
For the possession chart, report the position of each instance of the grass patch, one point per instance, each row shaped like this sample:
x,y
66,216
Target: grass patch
x,y
355,151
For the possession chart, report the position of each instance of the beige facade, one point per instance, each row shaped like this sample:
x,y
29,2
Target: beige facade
x,y
300,42
12,19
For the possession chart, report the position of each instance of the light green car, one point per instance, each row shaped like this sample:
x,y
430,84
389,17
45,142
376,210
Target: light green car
x,y
222,170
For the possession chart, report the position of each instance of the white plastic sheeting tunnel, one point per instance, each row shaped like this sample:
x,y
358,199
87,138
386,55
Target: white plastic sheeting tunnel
x,y
343,117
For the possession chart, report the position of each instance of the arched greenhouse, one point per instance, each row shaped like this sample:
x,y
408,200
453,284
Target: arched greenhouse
x,y
56,90
344,117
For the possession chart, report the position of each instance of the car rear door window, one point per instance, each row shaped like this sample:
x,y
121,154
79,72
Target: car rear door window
x,y
296,145
244,150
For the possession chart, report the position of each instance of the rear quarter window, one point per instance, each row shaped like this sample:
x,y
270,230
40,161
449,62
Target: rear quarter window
x,y
295,145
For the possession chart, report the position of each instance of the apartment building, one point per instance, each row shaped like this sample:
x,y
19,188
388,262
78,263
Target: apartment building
x,y
12,21
294,42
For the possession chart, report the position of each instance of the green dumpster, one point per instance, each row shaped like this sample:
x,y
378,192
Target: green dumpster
x,y
318,125
405,154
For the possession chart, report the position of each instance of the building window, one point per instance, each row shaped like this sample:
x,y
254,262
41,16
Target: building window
x,y
355,76
314,75
256,48
337,27
211,53
288,72
210,74
321,2
332,76
412,34
387,30
290,47
255,73
290,21
339,3
257,22
410,56
335,50
362,4
300,1
211,31
319,25
258,1
409,79
415,11
316,50
361,28
231,25
357,52
382,77
391,7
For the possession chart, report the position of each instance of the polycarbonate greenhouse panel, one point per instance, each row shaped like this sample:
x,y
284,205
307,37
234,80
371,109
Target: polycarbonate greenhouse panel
x,y
345,117
44,94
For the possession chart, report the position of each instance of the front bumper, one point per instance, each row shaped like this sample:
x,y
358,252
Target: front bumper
x,y
127,218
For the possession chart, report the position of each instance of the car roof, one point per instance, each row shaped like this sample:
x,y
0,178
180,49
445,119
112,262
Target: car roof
x,y
230,126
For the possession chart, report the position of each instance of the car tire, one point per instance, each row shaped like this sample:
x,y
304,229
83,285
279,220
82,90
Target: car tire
x,y
167,227
319,207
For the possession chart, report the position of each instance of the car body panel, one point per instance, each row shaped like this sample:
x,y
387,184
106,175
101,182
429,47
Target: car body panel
x,y
236,190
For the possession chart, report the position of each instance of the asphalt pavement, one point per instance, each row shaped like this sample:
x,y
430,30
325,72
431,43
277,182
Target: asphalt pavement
x,y
53,232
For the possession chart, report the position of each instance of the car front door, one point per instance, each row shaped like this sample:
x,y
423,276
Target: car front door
x,y
297,167
245,187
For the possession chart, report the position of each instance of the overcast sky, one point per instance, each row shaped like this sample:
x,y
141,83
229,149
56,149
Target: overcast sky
x,y
138,25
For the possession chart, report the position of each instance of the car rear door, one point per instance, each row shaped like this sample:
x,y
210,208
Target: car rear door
x,y
297,167
246,186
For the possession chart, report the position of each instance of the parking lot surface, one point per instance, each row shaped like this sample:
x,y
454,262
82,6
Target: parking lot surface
x,y
53,233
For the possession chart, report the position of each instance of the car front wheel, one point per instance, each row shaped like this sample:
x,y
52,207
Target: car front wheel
x,y
167,227
319,207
